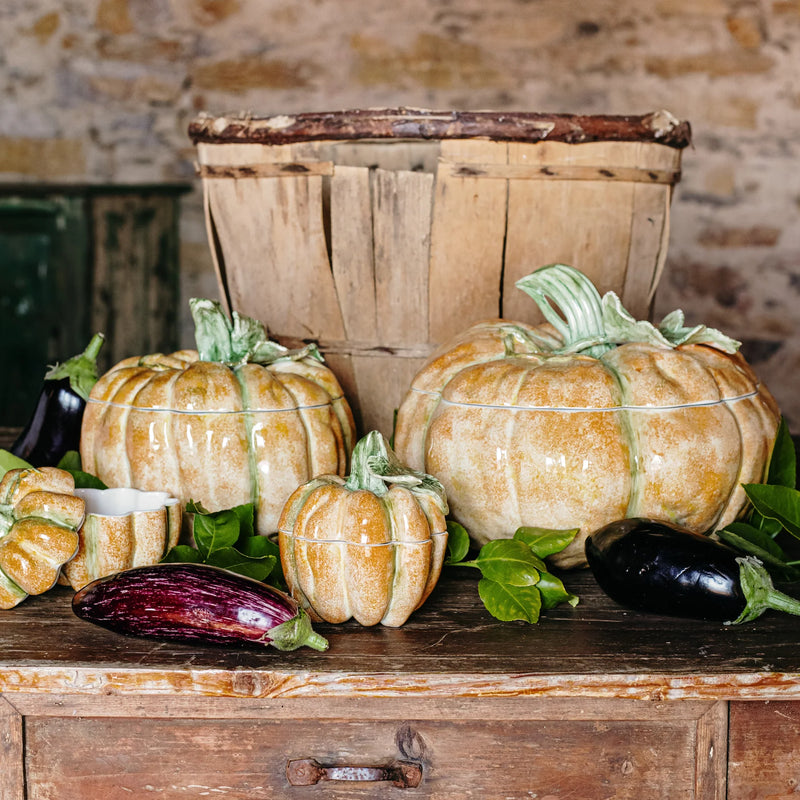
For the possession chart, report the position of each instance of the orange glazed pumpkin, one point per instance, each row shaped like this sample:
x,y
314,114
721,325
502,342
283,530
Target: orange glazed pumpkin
x,y
240,420
371,547
39,520
588,418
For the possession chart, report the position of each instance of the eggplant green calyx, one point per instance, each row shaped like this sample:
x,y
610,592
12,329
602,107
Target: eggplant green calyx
x,y
760,593
374,466
296,632
238,340
591,324
81,370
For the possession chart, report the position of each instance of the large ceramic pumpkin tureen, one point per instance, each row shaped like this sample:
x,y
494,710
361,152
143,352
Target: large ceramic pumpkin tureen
x,y
588,418
239,420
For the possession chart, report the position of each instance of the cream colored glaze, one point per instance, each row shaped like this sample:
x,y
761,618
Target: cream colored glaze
x,y
349,553
197,431
481,421
124,528
44,515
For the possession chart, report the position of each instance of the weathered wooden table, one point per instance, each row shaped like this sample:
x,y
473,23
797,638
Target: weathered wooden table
x,y
593,702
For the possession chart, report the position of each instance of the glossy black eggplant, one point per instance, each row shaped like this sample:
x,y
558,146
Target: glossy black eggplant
x,y
196,603
55,424
653,566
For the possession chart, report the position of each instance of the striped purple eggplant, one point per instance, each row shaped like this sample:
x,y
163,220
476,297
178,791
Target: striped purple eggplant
x,y
196,603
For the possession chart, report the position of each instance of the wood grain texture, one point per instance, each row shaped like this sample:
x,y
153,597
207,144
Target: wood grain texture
x,y
12,771
401,123
653,756
764,747
450,648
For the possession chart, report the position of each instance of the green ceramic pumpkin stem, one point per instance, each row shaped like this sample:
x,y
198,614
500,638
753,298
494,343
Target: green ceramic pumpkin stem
x,y
238,340
374,466
570,302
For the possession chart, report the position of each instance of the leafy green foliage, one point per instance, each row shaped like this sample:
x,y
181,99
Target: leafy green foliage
x,y
71,462
228,539
515,582
775,509
9,461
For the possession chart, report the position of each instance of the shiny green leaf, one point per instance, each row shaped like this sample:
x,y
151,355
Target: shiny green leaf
x,y
510,562
457,542
508,603
545,542
183,553
781,503
553,592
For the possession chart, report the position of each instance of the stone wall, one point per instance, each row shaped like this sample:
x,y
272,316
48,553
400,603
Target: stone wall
x,y
103,90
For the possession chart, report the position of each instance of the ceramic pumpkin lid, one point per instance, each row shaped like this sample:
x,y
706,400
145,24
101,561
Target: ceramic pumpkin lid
x,y
592,356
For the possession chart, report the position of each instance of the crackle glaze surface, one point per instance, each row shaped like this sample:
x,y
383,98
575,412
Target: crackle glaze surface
x,y
217,435
353,554
575,441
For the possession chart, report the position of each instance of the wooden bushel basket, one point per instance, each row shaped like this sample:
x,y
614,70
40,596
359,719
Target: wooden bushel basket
x,y
379,234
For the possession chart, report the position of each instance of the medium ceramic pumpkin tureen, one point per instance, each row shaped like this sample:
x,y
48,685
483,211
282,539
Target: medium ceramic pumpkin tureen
x,y
239,420
588,418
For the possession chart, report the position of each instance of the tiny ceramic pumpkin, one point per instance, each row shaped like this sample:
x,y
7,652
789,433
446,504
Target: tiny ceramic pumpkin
x,y
242,420
586,419
123,528
371,547
39,520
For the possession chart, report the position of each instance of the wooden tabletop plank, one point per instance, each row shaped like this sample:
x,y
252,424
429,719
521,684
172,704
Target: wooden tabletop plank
x,y
451,647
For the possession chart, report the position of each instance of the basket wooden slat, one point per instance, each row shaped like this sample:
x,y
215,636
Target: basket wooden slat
x,y
398,229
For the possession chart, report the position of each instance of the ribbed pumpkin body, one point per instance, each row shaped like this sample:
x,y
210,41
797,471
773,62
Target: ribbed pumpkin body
x,y
563,441
124,528
374,554
216,434
39,521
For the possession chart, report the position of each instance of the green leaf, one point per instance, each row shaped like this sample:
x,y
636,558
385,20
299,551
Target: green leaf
x,y
183,553
214,531
10,461
776,502
743,532
751,541
783,461
553,592
545,542
70,461
508,603
246,515
85,480
257,547
457,542
509,561
231,559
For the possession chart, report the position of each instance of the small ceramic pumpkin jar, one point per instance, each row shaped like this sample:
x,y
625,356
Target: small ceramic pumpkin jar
x,y
240,420
370,547
123,528
39,520
586,419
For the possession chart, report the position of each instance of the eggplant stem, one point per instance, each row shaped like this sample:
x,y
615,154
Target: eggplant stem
x,y
760,593
296,632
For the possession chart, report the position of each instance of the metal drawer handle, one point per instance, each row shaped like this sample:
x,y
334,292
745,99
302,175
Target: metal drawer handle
x,y
308,771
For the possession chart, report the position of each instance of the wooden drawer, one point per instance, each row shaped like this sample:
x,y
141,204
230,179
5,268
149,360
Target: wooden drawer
x,y
480,748
764,745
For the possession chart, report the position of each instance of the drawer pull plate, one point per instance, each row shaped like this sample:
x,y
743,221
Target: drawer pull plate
x,y
308,771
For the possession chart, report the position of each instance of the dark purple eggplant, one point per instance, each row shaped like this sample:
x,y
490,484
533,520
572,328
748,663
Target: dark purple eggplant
x,y
661,568
196,603
55,424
